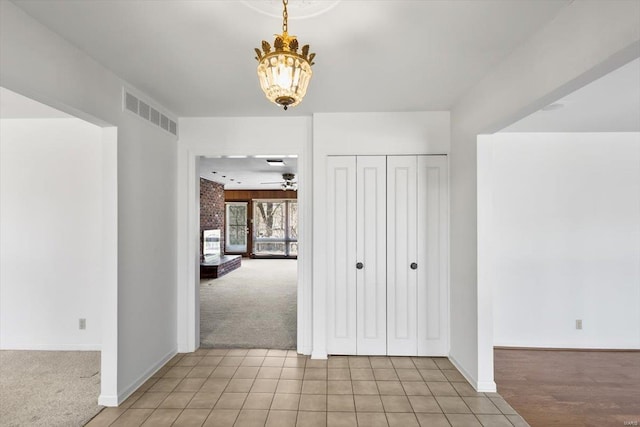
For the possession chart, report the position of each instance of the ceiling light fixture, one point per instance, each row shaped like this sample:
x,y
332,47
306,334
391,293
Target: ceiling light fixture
x,y
284,73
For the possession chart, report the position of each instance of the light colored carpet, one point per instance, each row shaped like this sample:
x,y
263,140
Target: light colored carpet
x,y
251,307
49,388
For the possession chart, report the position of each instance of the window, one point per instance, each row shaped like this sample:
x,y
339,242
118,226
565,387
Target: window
x,y
236,220
275,228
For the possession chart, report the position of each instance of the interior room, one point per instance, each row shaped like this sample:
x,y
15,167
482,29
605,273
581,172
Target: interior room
x,y
248,275
403,287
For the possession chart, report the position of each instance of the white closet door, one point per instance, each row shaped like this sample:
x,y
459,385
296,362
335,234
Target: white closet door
x,y
401,252
432,232
371,248
341,255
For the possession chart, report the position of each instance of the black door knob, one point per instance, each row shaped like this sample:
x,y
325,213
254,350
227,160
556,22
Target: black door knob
x,y
414,266
359,266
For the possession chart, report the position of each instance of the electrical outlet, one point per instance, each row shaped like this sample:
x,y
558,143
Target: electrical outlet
x,y
579,324
82,323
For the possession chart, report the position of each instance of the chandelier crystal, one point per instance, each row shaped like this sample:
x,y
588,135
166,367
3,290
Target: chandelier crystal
x,y
284,73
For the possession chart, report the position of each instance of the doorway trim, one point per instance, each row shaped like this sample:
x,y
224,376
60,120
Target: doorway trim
x,y
188,297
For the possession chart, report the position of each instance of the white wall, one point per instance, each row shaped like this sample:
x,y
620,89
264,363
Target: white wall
x,y
566,239
140,332
50,234
586,40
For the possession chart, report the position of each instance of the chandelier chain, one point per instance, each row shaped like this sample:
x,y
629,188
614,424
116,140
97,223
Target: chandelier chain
x,y
285,16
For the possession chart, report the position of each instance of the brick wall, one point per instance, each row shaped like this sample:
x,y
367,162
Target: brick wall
x,y
211,209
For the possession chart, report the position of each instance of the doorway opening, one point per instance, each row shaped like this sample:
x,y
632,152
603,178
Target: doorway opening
x,y
248,274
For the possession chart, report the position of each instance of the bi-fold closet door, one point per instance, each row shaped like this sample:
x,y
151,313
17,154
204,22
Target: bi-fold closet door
x,y
387,255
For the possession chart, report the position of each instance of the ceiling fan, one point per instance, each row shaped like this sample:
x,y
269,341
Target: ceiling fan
x,y
288,182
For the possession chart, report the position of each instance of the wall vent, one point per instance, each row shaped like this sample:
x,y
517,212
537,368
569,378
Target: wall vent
x,y
145,110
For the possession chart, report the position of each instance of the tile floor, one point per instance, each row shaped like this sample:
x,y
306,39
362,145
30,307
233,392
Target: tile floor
x,y
278,388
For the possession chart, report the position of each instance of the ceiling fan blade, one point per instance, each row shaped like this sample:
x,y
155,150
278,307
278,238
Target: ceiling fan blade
x,y
276,182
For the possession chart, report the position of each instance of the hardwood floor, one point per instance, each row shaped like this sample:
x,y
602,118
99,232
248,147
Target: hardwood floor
x,y
571,388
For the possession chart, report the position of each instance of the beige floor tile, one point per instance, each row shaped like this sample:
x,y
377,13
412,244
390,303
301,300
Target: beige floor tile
x,y
488,420
201,372
432,375
341,419
273,362
251,418
217,352
267,372
215,385
198,352
504,407
463,420
132,417
289,386
481,405
223,372
340,403
517,421
287,402
147,384
311,419
292,373
464,389
317,363
295,362
442,389
165,384
150,400
385,374
204,400
258,401
178,372
416,388
190,384
402,362
424,404
453,375
364,387
281,418
210,361
315,373
231,401
339,387
192,418
365,403
257,352
238,352
400,419
231,361
222,418
338,362
246,372
238,385
252,361
396,404
189,360
314,387
313,402
131,399
372,419
162,417
432,420
362,374
263,385
453,405
177,400
381,363
277,353
359,362
424,363
408,374
338,374
390,388
106,417
443,363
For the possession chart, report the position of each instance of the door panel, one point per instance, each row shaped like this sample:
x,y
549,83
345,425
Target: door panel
x,y
371,249
432,231
236,227
341,255
401,252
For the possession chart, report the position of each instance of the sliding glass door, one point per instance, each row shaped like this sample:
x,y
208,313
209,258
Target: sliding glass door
x,y
275,228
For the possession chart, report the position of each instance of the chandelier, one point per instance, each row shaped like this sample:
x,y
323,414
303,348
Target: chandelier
x,y
284,73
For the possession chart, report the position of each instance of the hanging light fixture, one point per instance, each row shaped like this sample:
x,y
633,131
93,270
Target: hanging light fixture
x,y
283,72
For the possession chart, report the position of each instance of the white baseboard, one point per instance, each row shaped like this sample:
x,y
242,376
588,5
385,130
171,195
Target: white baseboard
x,y
107,400
319,355
52,347
479,386
129,390
304,350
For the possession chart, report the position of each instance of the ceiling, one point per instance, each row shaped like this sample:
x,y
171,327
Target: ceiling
x,y
609,104
16,106
247,173
196,57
